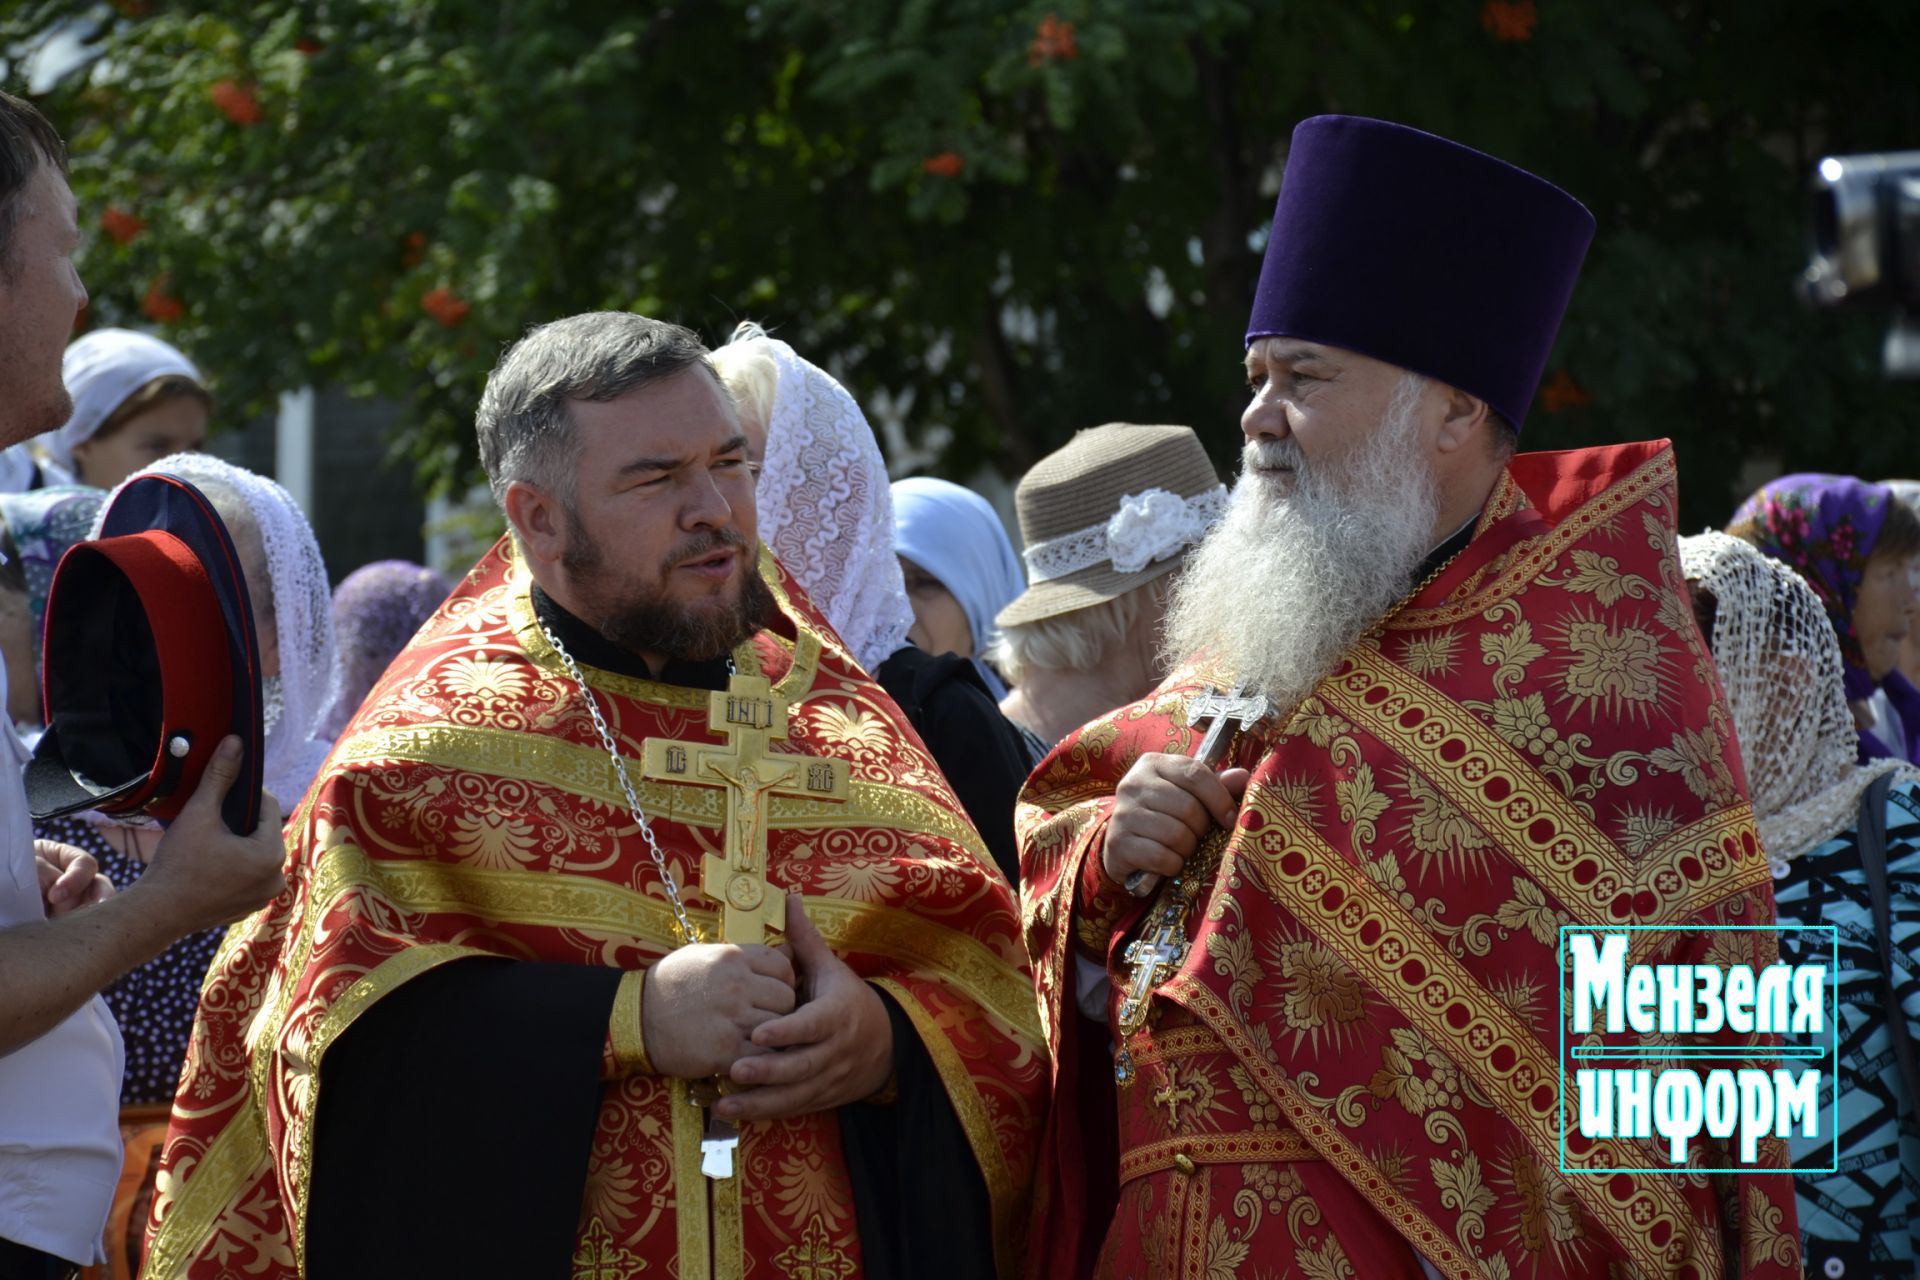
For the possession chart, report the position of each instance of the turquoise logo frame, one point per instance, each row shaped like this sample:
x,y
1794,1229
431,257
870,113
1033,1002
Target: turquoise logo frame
x,y
1600,1053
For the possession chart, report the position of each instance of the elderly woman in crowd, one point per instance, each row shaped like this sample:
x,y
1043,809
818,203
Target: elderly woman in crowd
x,y
829,517
1106,521
376,610
136,400
1858,547
960,567
1843,839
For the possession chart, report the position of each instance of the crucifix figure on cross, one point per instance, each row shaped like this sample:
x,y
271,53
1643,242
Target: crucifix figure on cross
x,y
1155,957
750,716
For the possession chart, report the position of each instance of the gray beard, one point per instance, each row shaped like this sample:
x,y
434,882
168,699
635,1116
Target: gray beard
x,y
1285,584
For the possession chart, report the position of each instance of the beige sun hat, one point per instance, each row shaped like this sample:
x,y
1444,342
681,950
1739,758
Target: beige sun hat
x,y
1118,506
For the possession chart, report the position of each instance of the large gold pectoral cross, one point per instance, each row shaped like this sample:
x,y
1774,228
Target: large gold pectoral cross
x,y
750,716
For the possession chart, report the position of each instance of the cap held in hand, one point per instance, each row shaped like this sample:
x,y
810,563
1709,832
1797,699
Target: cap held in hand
x,y
150,661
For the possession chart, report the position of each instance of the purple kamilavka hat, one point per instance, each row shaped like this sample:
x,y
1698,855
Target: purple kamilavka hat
x,y
1421,252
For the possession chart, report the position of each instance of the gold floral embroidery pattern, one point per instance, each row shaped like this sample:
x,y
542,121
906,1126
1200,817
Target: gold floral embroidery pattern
x,y
600,1257
1326,1262
1764,1241
1398,1081
806,1189
1301,793
487,680
493,841
1578,863
1547,1227
1642,828
1361,804
1511,652
1324,1136
1504,1059
814,1256
1533,557
586,772
1599,576
1620,669
1442,837
1322,996
855,733
1225,1254
1434,654
1463,1189
1699,759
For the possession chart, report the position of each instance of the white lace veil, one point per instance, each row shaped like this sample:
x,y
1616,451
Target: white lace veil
x,y
1779,662
826,509
302,614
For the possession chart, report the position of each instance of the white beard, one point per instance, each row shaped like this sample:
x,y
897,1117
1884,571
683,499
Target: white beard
x,y
1286,583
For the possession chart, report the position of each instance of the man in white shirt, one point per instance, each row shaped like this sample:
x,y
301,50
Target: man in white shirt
x,y
60,1053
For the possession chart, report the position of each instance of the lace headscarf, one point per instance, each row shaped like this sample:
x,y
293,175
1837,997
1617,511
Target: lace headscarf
x,y
309,680
825,509
376,610
1779,662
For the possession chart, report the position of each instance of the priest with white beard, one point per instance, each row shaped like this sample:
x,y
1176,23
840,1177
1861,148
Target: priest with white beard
x,y
1294,916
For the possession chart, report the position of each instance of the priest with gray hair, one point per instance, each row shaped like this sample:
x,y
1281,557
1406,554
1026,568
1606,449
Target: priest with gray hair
x,y
1294,913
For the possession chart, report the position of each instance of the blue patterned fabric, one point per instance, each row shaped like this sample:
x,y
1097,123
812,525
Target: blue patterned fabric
x,y
43,525
1871,1200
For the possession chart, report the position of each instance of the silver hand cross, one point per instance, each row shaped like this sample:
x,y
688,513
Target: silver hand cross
x,y
1228,714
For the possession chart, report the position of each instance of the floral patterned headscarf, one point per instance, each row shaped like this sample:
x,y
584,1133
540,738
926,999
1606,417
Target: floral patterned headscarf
x,y
42,524
376,610
1825,528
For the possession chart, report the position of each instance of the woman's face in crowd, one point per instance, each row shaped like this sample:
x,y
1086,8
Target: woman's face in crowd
x,y
175,425
939,623
1883,612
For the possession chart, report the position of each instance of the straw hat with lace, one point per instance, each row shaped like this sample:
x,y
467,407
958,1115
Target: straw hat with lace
x,y
1117,507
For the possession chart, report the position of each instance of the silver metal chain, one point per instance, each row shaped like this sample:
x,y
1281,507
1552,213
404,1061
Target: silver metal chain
x,y
687,932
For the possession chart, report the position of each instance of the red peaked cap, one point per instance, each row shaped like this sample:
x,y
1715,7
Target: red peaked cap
x,y
150,659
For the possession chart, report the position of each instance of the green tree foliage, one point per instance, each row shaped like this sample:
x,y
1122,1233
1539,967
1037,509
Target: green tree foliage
x,y
1010,219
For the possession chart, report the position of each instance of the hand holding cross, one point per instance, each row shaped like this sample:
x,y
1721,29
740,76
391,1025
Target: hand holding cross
x,y
1227,715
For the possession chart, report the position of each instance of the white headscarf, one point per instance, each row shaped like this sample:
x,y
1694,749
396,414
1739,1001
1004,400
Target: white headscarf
x,y
956,535
825,508
102,371
302,608
1779,662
